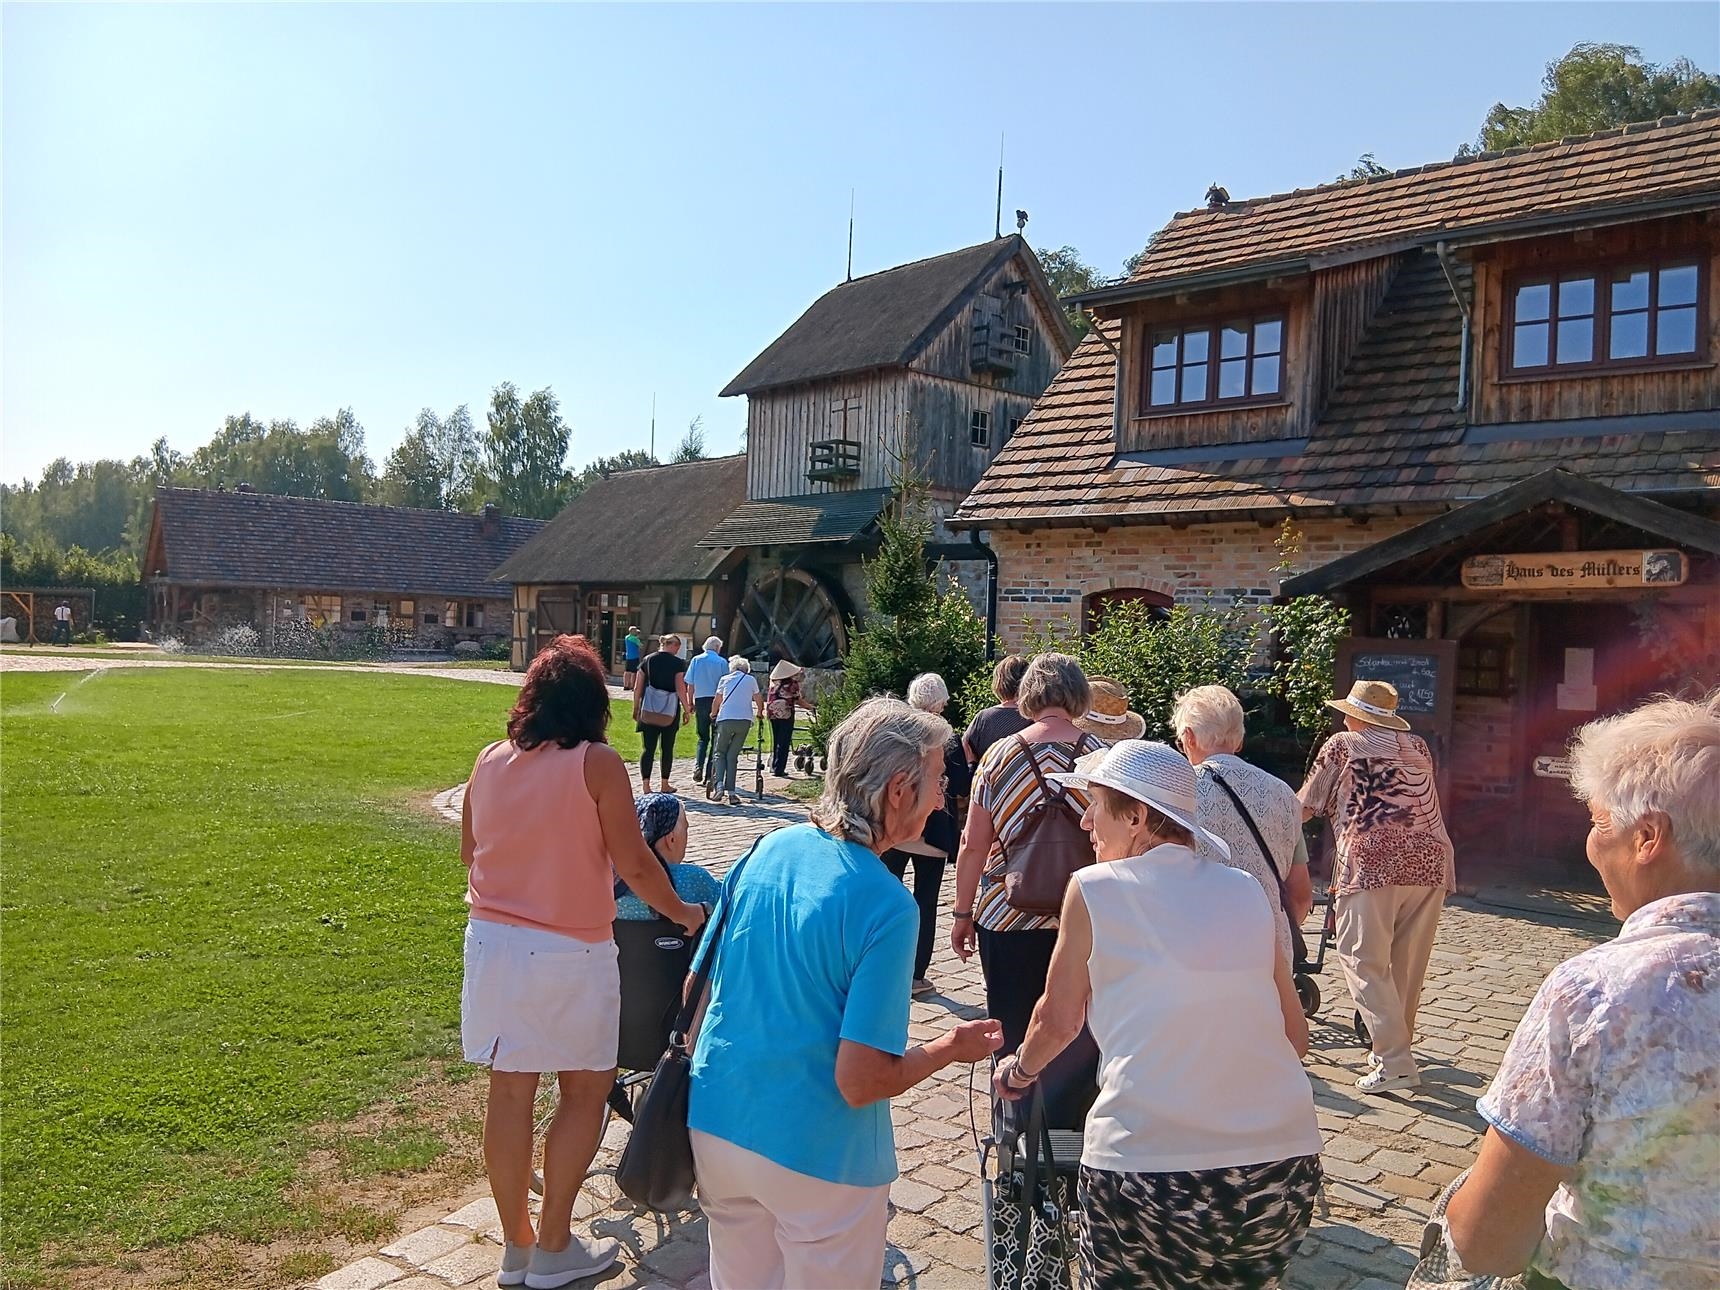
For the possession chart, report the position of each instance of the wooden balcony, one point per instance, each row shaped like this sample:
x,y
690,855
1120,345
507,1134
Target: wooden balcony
x,y
834,459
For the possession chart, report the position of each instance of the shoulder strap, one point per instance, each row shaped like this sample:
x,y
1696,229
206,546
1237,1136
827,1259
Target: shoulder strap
x,y
1253,828
1045,785
708,953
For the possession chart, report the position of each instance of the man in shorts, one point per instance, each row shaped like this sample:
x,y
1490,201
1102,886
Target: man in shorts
x,y
632,648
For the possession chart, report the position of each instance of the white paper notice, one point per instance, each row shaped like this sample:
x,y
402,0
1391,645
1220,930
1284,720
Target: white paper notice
x,y
1576,698
1580,667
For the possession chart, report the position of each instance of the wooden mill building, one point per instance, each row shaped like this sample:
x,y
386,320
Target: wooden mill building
x,y
625,553
1486,391
931,366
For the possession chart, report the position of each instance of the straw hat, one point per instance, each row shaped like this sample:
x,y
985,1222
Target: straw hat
x,y
783,670
1154,773
1109,717
1374,702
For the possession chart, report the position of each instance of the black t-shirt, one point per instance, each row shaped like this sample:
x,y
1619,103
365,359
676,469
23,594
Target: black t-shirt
x,y
661,670
992,725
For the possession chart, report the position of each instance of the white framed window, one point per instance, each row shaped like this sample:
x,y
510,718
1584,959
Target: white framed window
x,y
1023,339
979,429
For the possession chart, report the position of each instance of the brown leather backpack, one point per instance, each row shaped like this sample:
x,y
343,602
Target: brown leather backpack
x,y
1049,847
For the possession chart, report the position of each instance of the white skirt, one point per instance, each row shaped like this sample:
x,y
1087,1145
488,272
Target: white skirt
x,y
538,1001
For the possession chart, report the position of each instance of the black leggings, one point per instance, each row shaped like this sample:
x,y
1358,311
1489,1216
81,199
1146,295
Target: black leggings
x,y
1015,966
781,744
928,877
655,737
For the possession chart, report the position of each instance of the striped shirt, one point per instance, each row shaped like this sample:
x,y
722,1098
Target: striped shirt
x,y
1006,789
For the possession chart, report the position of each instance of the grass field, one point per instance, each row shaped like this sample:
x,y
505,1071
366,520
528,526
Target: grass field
x,y
228,919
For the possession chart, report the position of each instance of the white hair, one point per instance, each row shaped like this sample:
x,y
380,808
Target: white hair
x,y
714,642
1662,758
928,692
879,740
740,663
1214,714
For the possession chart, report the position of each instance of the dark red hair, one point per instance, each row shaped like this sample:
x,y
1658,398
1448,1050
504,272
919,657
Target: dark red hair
x,y
565,698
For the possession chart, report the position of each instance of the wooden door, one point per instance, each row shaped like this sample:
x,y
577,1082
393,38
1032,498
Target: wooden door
x,y
555,616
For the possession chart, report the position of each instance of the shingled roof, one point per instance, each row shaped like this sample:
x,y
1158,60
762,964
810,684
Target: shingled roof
x,y
809,520
637,526
1671,163
208,538
881,320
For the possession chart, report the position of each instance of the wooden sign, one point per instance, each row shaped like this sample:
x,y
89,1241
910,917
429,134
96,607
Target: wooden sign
x,y
1555,570
1553,767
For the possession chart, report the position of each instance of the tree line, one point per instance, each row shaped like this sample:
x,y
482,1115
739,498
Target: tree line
x,y
86,524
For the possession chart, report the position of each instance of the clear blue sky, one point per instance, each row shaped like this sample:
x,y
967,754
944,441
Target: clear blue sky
x,y
290,208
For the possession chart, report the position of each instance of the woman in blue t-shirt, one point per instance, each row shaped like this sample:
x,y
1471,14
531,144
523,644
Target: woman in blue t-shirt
x,y
805,1036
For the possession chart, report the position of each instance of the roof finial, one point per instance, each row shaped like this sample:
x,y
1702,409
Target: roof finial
x,y
1217,198
850,276
997,230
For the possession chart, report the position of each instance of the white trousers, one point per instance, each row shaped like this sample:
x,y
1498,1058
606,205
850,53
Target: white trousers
x,y
1385,936
776,1229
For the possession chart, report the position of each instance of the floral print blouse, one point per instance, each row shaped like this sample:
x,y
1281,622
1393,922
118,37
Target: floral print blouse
x,y
1378,788
1614,1072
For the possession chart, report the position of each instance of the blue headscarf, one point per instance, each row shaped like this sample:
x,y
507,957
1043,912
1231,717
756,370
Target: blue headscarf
x,y
658,814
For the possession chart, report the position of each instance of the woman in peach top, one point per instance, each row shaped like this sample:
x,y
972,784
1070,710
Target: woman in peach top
x,y
547,825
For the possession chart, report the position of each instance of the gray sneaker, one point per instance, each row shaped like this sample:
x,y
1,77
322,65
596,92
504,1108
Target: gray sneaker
x,y
583,1257
515,1259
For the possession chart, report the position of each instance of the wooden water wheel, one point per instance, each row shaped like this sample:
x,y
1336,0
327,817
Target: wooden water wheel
x,y
790,613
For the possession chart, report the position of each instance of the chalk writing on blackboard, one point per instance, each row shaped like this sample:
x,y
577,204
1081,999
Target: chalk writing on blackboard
x,y
1416,677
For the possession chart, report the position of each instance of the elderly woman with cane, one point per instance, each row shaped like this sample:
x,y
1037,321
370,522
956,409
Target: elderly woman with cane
x,y
1600,1164
1201,1157
805,1036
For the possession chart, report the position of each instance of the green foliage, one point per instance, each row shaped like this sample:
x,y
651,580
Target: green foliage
x,y
435,467
1598,86
525,453
692,446
1068,274
1366,167
920,622
277,948
1306,631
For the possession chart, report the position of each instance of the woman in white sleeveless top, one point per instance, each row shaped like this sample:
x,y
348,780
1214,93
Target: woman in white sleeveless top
x,y
1201,1158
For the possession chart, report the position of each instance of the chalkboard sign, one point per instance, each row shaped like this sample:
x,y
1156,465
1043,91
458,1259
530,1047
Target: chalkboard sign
x,y
1416,677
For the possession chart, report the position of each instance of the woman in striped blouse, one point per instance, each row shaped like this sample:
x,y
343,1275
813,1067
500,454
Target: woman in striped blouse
x,y
1015,947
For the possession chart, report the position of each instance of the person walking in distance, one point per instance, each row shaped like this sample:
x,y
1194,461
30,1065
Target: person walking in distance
x,y
1392,871
660,689
631,649
703,674
738,700
63,623
780,709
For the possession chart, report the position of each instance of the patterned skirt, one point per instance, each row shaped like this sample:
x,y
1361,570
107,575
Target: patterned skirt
x,y
1215,1229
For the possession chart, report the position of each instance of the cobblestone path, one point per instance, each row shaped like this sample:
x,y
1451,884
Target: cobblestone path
x,y
1385,1157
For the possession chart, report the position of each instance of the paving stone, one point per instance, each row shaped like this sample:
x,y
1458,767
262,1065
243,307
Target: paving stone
x,y
480,1214
947,1180
913,1197
957,1215
1439,1174
1349,1170
1397,1162
469,1263
1348,1147
366,1274
1413,1188
680,1259
426,1244
418,1281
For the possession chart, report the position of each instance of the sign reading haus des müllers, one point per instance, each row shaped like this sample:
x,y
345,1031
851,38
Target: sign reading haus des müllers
x,y
1556,570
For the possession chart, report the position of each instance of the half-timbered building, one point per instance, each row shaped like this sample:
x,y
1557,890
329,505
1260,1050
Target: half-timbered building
x,y
928,367
1486,391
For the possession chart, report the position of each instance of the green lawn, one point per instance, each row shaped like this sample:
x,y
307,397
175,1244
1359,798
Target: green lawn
x,y
227,918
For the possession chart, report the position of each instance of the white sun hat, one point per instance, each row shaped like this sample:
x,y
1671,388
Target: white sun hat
x,y
1149,772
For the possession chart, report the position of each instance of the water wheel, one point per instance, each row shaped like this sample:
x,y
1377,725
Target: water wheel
x,y
790,613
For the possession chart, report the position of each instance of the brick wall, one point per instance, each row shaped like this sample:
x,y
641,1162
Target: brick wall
x,y
1044,575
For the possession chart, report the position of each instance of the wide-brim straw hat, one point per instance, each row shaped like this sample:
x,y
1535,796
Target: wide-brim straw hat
x,y
1154,773
1374,702
783,670
1108,716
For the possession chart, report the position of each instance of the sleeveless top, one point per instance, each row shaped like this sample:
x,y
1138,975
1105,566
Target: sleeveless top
x,y
1195,1072
538,859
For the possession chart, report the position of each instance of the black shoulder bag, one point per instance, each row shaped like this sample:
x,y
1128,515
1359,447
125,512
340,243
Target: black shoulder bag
x,y
1298,945
656,1166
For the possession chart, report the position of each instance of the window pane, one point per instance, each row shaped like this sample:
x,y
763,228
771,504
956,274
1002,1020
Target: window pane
x,y
1678,285
1266,374
1532,302
1164,387
1233,378
1233,340
1576,340
1630,291
1269,336
1529,345
1194,383
1675,331
1629,335
1576,297
1195,345
1164,349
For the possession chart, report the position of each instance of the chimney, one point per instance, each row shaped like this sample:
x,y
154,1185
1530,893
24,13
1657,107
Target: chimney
x,y
243,487
490,523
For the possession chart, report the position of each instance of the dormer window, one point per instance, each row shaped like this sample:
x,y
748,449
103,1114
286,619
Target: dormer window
x,y
1214,364
1588,319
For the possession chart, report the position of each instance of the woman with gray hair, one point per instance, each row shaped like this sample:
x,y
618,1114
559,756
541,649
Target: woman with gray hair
x,y
937,842
1256,813
1599,1164
805,1036
1014,945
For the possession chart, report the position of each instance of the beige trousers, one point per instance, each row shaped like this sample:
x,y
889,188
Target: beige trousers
x,y
1385,936
776,1229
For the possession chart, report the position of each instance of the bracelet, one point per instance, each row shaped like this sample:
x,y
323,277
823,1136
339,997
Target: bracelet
x,y
1026,1078
963,915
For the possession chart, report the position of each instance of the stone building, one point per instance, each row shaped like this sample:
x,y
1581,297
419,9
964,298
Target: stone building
x,y
279,564
1485,392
